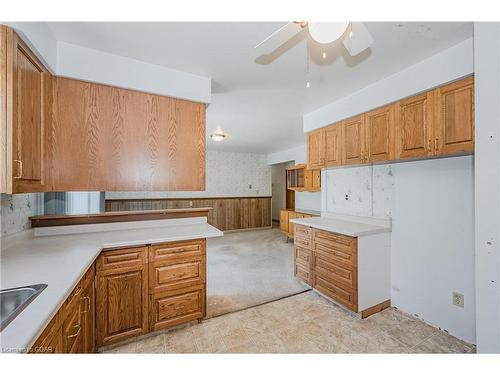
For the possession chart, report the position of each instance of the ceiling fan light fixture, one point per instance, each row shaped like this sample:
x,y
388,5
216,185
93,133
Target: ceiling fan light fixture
x,y
218,135
327,32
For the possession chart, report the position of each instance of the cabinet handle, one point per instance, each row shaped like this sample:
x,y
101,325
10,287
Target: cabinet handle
x,y
436,144
20,170
429,145
77,332
86,307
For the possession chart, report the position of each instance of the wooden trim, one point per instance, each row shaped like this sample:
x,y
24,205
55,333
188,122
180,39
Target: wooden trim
x,y
113,217
183,199
375,309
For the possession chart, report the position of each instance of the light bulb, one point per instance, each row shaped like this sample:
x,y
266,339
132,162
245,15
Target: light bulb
x,y
324,54
350,34
308,85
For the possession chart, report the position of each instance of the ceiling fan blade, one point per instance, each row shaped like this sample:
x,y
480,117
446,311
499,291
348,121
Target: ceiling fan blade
x,y
359,40
278,38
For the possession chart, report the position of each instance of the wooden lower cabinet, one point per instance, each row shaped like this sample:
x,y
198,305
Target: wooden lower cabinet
x,y
122,295
72,328
129,292
177,306
288,228
328,262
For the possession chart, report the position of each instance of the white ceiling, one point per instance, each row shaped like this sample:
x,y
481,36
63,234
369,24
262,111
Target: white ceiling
x,y
261,106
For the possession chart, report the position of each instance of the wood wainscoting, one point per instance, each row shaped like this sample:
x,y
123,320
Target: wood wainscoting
x,y
228,213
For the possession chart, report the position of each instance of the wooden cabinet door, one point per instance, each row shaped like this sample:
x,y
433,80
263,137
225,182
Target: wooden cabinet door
x,y
122,296
28,110
73,330
284,220
379,135
107,138
353,135
88,319
454,118
333,145
414,126
315,149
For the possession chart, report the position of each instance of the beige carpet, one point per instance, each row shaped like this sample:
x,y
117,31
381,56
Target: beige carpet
x,y
246,269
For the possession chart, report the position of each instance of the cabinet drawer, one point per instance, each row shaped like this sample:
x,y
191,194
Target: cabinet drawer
x,y
343,296
303,231
303,256
343,256
177,250
334,273
122,258
179,306
174,274
303,273
334,239
303,242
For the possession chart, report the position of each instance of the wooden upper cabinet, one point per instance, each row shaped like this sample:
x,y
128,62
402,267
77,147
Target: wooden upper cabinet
x,y
315,149
454,118
414,126
111,139
353,140
23,100
333,145
379,134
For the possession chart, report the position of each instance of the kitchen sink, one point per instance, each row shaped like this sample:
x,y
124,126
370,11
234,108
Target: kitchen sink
x,y
15,300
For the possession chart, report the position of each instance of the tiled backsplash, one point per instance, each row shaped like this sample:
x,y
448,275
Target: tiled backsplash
x,y
16,209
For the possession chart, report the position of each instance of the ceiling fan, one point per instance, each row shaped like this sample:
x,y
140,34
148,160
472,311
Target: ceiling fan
x,y
354,35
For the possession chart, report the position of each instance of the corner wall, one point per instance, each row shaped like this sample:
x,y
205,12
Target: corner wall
x,y
305,200
432,241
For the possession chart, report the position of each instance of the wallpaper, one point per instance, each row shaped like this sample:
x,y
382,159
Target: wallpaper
x,y
16,209
228,174
363,191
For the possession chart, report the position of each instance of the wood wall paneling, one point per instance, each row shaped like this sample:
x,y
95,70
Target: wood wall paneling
x,y
227,213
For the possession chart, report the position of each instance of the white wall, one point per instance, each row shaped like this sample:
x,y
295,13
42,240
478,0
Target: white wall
x,y
228,174
305,200
92,65
432,242
449,65
279,187
487,183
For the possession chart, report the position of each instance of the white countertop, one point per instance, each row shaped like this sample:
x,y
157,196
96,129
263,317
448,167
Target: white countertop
x,y
354,226
61,260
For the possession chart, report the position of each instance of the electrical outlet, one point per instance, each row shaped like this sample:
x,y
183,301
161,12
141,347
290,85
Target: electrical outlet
x,y
458,299
347,197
